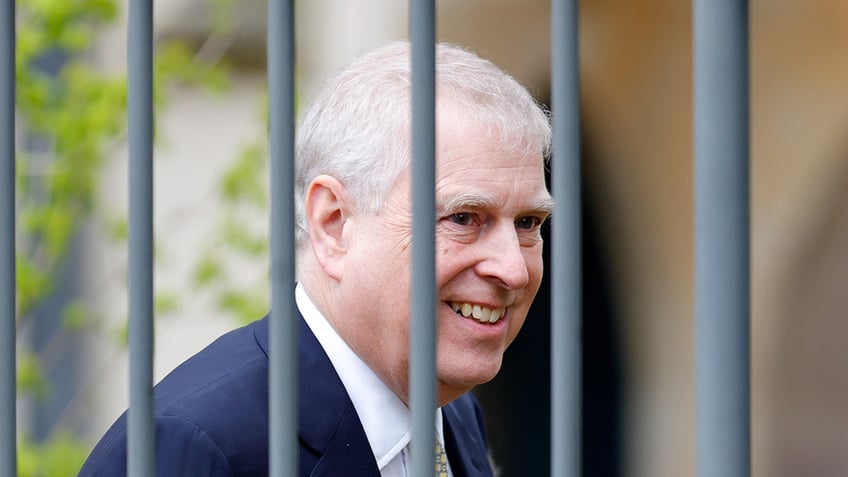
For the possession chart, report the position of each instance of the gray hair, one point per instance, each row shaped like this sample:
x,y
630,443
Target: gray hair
x,y
357,128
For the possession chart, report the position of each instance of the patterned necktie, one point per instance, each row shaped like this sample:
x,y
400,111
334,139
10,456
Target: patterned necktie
x,y
441,460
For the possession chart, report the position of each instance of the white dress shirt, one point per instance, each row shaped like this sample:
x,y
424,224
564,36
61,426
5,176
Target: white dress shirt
x,y
387,421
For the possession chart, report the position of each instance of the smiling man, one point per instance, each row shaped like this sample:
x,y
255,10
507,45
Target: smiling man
x,y
353,193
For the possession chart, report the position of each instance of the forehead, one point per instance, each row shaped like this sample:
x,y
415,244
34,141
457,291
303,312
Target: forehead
x,y
465,138
475,169
474,159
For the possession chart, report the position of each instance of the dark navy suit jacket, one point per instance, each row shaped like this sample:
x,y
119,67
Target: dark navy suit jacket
x,y
212,418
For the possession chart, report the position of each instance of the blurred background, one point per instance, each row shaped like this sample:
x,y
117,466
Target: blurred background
x,y
638,333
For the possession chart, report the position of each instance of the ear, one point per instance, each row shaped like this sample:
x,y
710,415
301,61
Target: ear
x,y
327,210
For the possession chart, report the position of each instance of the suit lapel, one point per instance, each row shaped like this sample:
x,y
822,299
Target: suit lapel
x,y
332,440
328,421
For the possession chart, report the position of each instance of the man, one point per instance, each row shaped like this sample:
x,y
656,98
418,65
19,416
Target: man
x,y
353,253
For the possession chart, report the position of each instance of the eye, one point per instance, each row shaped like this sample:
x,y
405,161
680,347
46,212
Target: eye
x,y
528,223
461,218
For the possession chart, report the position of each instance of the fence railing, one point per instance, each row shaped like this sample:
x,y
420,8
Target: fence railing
x,y
422,329
566,249
140,439
282,366
722,275
8,427
722,237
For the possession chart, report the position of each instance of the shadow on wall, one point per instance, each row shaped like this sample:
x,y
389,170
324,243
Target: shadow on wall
x,y
518,402
637,95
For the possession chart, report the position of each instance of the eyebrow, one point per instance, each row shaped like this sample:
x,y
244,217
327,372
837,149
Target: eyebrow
x,y
544,205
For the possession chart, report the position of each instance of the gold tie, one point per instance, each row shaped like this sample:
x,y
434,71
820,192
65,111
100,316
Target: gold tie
x,y
441,460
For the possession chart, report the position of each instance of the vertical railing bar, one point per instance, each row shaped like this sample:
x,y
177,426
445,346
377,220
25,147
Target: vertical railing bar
x,y
283,323
8,426
722,234
423,315
140,439
566,303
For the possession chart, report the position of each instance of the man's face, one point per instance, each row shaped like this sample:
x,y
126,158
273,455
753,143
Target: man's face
x,y
490,206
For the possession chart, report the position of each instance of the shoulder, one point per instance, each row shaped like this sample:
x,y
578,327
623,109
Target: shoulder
x,y
231,374
182,449
211,413
223,393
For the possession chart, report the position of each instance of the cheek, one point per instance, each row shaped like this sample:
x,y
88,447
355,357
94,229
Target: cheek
x,y
535,267
450,260
514,328
382,256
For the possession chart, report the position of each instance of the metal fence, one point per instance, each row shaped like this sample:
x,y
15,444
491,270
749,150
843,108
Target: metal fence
x,y
722,238
8,427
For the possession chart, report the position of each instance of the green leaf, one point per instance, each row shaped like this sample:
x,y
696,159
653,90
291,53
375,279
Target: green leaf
x,y
245,180
122,332
164,303
176,63
61,455
75,316
246,305
118,229
222,16
75,38
33,283
31,378
239,238
207,271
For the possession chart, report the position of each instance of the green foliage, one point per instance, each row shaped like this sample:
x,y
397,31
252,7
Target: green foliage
x,y
207,271
244,181
31,379
222,16
75,115
243,191
121,333
164,303
79,115
246,305
76,316
118,229
175,64
63,454
33,282
239,239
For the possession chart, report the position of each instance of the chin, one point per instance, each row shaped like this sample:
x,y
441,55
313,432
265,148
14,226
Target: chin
x,y
464,380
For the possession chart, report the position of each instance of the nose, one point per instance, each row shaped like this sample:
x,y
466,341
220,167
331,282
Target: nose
x,y
502,259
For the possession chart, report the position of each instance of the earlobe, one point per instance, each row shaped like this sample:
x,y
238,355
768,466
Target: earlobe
x,y
326,207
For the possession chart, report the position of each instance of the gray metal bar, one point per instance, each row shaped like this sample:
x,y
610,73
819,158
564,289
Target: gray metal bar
x,y
140,437
566,303
8,453
722,271
422,334
283,323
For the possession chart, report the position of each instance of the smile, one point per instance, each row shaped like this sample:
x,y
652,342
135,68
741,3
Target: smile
x,y
479,313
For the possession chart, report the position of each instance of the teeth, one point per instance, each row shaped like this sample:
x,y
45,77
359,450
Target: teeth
x,y
496,315
479,313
